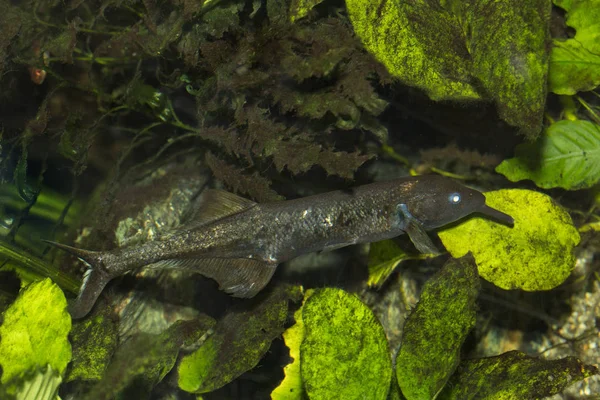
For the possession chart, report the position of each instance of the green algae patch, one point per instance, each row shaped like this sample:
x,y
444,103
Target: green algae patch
x,y
240,339
94,342
480,50
567,155
436,329
384,257
514,375
145,359
34,332
575,62
291,388
344,352
535,254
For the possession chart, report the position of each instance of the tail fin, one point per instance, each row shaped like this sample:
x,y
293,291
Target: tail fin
x,y
94,279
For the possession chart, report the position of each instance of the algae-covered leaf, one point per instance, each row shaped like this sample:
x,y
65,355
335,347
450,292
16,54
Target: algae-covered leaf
x,y
417,43
291,388
344,353
436,329
575,62
384,257
567,155
145,359
34,331
300,8
94,341
240,339
495,50
535,254
514,375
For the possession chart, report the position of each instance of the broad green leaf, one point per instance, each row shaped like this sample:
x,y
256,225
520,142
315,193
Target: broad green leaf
x,y
94,342
514,375
344,353
145,359
464,50
567,156
384,257
575,63
239,341
436,329
34,331
291,387
300,8
535,254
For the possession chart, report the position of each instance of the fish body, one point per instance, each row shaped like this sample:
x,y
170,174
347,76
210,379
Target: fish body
x,y
239,243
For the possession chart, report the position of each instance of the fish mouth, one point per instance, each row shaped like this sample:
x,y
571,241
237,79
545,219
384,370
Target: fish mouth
x,y
496,215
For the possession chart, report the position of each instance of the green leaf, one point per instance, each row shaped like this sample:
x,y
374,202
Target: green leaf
x,y
535,254
384,257
567,156
145,359
436,329
291,388
514,375
575,63
344,353
34,331
94,342
239,341
455,50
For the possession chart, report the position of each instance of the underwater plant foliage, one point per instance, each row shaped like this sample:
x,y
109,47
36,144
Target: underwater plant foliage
x,y
575,61
33,334
448,314
567,155
428,363
270,95
537,253
464,50
239,342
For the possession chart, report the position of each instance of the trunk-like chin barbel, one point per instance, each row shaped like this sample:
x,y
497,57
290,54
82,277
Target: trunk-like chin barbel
x,y
496,215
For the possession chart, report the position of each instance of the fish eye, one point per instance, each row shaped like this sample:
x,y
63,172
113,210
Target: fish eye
x,y
454,198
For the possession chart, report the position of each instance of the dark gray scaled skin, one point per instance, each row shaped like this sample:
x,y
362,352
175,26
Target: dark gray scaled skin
x,y
241,250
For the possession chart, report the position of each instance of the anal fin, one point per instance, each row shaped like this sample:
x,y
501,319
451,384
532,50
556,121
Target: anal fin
x,y
94,281
239,277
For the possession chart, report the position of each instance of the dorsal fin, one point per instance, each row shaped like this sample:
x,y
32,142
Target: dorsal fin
x,y
215,204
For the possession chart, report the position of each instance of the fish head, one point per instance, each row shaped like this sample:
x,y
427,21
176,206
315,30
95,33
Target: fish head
x,y
436,201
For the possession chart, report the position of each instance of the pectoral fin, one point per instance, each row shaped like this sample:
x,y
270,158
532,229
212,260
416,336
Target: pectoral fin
x,y
240,277
416,233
